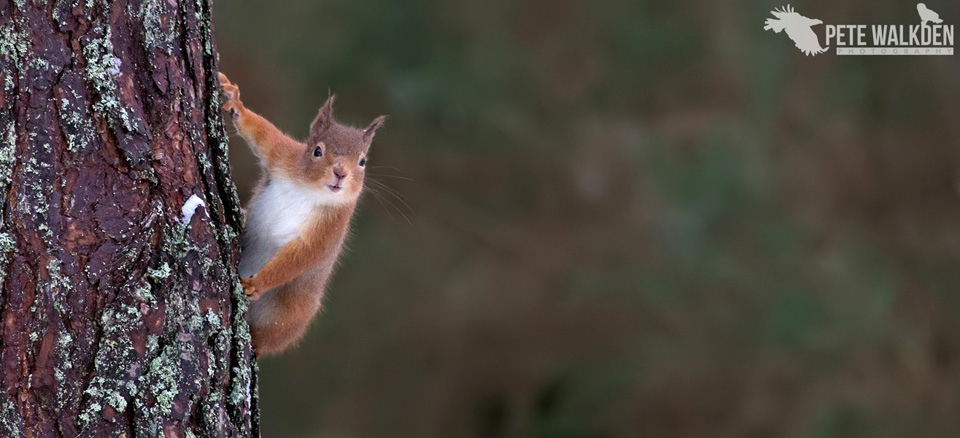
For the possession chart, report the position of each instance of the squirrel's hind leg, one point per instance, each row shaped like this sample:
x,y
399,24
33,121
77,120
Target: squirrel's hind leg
x,y
280,318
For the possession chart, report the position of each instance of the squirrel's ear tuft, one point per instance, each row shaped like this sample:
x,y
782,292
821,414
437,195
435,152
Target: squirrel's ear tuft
x,y
369,131
324,117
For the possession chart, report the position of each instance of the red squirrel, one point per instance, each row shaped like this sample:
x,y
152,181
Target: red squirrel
x,y
297,218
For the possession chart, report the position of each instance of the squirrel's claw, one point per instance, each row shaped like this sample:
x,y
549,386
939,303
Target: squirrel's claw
x,y
232,92
249,288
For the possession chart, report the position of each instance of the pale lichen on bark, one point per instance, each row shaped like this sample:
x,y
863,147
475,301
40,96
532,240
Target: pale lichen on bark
x,y
119,318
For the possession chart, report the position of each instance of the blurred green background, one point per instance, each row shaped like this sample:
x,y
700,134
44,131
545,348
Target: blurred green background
x,y
619,219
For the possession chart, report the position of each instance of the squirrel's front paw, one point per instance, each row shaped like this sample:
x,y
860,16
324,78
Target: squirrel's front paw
x,y
250,288
232,93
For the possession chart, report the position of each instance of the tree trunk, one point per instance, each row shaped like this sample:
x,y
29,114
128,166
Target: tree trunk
x,y
121,310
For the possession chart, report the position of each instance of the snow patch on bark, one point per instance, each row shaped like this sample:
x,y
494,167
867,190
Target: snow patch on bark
x,y
190,207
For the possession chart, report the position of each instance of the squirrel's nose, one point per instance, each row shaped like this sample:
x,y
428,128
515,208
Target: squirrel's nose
x,y
339,172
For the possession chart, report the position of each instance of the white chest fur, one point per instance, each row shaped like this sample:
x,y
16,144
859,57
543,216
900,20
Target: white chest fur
x,y
283,207
277,215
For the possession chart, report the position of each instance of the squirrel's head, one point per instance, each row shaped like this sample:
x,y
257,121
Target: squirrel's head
x,y
336,155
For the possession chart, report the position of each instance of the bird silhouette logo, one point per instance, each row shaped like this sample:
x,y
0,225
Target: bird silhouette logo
x,y
927,15
798,29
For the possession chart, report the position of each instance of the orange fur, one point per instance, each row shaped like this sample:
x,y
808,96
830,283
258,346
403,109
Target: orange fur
x,y
299,269
276,149
321,237
287,289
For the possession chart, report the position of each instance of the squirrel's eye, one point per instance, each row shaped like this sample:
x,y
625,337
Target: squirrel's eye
x,y
318,152
363,162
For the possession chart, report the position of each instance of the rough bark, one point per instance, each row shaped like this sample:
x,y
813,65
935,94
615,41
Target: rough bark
x,y
118,319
